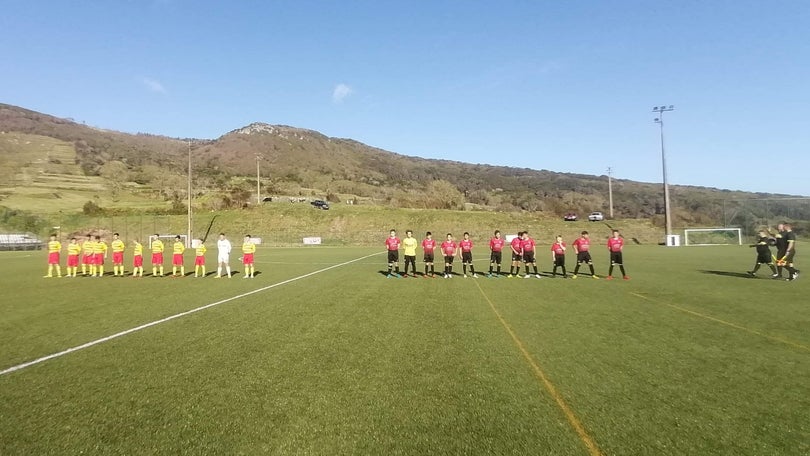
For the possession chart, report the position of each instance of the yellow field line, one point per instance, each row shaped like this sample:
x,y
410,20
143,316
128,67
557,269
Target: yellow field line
x,y
726,323
590,444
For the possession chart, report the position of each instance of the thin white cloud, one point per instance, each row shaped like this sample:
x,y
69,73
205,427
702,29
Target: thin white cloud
x,y
153,85
340,93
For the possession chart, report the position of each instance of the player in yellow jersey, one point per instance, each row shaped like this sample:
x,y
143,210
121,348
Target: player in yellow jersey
x,y
74,249
87,254
248,249
199,260
118,247
157,255
178,248
409,244
99,255
137,258
54,248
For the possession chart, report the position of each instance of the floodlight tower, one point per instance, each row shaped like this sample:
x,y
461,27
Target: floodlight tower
x,y
188,233
258,181
660,110
610,190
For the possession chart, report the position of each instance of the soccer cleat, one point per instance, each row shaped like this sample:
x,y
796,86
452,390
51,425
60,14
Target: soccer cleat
x,y
751,273
574,276
538,276
776,276
795,275
526,276
510,276
389,276
610,277
595,276
465,276
626,277
475,276
446,276
218,277
246,277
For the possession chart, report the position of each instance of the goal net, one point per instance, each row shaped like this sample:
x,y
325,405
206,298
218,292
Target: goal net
x,y
712,236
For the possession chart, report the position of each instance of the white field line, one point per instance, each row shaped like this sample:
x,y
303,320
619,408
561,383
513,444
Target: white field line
x,y
172,317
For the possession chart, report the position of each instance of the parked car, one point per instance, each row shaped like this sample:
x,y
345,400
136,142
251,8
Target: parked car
x,y
596,217
570,217
320,204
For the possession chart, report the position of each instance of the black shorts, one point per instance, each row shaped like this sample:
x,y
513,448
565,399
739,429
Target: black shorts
x,y
466,257
584,257
495,257
789,256
517,257
616,258
411,258
559,260
528,257
448,259
780,253
393,256
428,257
764,258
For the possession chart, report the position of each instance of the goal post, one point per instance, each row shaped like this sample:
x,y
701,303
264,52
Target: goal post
x,y
712,236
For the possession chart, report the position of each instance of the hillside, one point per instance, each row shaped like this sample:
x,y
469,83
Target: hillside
x,y
116,170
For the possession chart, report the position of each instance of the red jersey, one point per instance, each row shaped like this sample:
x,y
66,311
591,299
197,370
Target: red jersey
x,y
527,245
392,243
429,245
582,244
615,244
558,248
449,248
496,244
465,245
516,245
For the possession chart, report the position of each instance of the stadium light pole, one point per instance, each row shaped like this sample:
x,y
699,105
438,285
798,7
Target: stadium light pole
x,y
610,190
660,110
188,233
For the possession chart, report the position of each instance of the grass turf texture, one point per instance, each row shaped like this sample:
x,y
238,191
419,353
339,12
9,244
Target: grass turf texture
x,y
689,357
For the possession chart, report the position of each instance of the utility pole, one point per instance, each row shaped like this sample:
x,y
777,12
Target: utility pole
x,y
258,182
610,190
188,233
660,110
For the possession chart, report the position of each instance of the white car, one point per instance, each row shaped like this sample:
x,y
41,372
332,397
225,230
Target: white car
x,y
596,217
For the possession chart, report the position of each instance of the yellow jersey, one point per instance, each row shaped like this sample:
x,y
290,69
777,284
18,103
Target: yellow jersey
x,y
178,248
99,247
248,247
117,245
138,249
54,246
157,246
410,244
74,249
201,250
87,247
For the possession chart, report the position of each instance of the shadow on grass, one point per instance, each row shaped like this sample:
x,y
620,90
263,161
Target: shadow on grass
x,y
739,275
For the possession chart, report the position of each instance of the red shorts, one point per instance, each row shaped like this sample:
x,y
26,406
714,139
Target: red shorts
x,y
137,261
73,261
53,258
247,258
157,258
87,258
118,257
177,259
98,259
199,261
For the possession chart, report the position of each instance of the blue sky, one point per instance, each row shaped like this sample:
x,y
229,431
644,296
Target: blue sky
x,y
564,86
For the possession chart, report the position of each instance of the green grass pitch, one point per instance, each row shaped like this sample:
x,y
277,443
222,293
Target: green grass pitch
x,y
690,357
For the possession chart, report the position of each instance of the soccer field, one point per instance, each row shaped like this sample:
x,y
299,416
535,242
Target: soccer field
x,y
322,354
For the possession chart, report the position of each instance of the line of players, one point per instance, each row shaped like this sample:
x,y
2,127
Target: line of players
x,y
92,253
522,247
785,241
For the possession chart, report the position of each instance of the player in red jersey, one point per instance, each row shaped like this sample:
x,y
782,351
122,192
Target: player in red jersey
x,y
392,244
449,251
615,245
558,256
517,254
582,247
429,248
465,247
528,246
495,251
